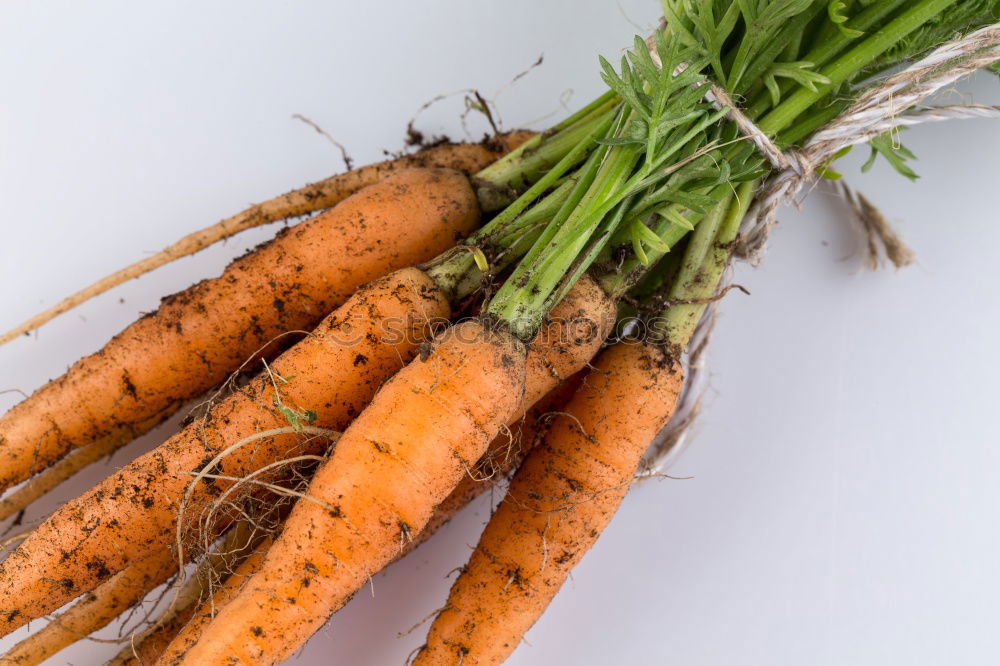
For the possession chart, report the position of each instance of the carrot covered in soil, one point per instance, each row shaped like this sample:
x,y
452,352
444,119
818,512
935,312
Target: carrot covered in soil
x,y
570,486
570,336
408,450
94,610
502,456
390,468
558,503
330,375
576,328
196,338
468,158
463,157
325,379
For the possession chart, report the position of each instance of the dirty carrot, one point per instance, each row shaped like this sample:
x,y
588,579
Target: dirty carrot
x,y
94,610
327,379
411,446
502,457
324,380
401,456
558,503
571,335
43,482
570,486
196,338
331,374
574,330
468,158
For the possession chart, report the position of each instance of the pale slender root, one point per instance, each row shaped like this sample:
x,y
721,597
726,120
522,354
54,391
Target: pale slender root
x,y
317,196
309,199
238,544
49,478
203,473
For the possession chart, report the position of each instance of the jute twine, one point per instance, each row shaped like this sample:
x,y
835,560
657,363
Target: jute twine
x,y
891,103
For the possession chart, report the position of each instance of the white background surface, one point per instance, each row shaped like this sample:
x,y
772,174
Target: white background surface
x,y
844,505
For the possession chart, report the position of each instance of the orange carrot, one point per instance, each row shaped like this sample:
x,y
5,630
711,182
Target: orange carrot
x,y
573,333
392,466
332,373
503,455
94,610
570,336
20,498
328,377
468,158
558,503
196,338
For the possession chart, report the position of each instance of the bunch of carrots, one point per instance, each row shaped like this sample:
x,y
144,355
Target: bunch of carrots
x,y
451,319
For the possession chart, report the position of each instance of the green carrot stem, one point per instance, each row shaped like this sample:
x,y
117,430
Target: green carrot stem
x,y
704,264
624,274
853,62
458,272
523,300
502,222
496,170
831,44
499,183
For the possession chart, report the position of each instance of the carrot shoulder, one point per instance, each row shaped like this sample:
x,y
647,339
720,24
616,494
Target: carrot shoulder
x,y
558,503
332,373
571,335
198,337
423,430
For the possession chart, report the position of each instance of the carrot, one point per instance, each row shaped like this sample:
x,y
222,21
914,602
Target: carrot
x,y
328,377
571,335
41,483
196,338
399,459
503,455
95,610
465,157
558,503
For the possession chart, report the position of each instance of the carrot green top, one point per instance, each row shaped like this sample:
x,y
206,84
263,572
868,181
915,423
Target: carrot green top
x,y
652,163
